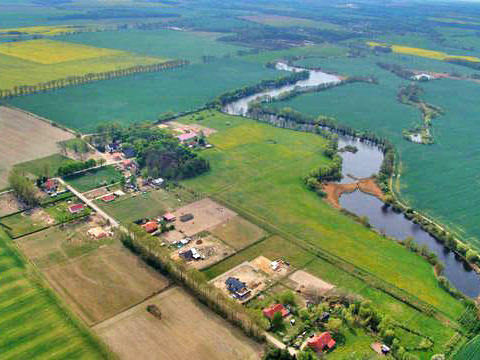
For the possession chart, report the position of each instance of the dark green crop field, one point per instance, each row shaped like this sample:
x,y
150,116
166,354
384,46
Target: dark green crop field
x,y
440,179
143,97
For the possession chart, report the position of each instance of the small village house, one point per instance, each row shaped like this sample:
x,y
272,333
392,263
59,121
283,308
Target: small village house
x,y
187,138
272,310
150,226
169,217
108,198
76,208
97,233
237,288
321,342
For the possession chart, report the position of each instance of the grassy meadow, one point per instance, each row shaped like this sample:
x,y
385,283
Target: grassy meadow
x,y
264,179
34,323
94,178
47,166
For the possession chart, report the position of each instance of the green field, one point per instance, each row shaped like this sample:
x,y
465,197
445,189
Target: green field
x,y
173,44
34,324
21,224
94,178
264,179
46,166
152,204
374,107
470,351
150,94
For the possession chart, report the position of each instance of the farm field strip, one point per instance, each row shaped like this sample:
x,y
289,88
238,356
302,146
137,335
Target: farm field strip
x,y
35,324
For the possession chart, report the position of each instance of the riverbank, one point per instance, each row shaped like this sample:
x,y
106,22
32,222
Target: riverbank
x,y
335,190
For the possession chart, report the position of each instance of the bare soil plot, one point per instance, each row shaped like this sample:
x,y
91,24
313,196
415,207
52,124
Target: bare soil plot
x,y
105,282
9,204
255,279
209,247
172,236
303,281
206,214
57,244
183,128
265,265
24,137
187,330
238,232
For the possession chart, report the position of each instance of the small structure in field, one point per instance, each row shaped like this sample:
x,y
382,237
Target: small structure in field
x,y
272,310
186,217
97,233
50,186
190,255
321,342
158,182
108,198
237,288
129,153
150,226
155,311
76,208
169,217
422,77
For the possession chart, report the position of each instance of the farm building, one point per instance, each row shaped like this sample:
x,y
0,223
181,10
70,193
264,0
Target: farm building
x,y
237,288
108,198
112,147
186,217
75,208
321,341
150,226
422,77
187,137
50,185
158,182
97,233
169,217
272,310
190,255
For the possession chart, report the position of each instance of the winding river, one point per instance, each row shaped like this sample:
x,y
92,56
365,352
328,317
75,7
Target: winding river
x,y
362,164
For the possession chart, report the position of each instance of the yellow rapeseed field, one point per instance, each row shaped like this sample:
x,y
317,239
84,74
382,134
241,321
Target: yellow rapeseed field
x,y
45,51
42,30
431,54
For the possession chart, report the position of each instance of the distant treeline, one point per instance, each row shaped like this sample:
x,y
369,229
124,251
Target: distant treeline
x,y
463,62
87,78
240,93
398,70
115,13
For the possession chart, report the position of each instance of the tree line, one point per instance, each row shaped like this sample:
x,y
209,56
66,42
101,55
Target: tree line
x,y
23,188
87,78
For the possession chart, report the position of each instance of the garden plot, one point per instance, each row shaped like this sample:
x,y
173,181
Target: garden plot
x,y
60,243
187,330
26,222
203,252
238,232
254,279
105,282
206,214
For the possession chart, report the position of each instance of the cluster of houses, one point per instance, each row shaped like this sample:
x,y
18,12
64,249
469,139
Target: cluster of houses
x,y
152,226
193,139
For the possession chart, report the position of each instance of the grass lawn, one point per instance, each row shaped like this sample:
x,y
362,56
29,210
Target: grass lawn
x,y
21,224
34,324
264,179
357,342
60,213
152,204
45,166
94,178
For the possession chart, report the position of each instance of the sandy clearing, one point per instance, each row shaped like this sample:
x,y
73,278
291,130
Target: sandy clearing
x,y
23,138
305,280
335,191
182,128
188,330
9,204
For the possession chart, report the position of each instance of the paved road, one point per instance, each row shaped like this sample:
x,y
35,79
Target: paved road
x,y
91,204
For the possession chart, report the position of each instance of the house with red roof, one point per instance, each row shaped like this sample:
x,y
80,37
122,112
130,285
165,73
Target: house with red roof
x,y
187,137
150,226
272,310
50,185
75,208
321,341
108,198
